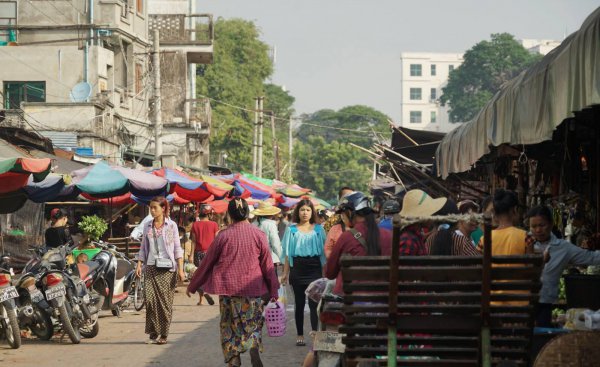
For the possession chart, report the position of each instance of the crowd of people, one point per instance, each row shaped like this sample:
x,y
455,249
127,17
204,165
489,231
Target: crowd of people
x,y
246,261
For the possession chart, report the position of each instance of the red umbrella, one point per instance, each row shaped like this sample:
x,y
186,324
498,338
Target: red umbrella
x,y
15,172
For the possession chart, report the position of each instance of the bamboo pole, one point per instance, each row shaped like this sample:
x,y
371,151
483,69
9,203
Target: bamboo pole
x,y
393,305
486,280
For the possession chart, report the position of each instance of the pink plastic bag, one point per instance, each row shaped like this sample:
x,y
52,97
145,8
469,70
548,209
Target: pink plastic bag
x,y
275,318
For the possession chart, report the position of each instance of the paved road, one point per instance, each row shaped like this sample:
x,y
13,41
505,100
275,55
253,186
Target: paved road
x,y
194,341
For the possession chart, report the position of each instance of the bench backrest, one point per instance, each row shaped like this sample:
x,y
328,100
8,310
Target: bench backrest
x,y
440,309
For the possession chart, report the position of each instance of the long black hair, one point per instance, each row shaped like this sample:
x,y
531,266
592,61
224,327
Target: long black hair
x,y
301,203
442,243
373,245
238,209
505,201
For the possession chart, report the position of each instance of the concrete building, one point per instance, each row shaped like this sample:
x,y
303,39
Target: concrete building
x,y
49,47
423,75
186,39
542,47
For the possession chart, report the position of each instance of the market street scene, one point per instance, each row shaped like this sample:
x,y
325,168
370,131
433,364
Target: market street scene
x,y
299,183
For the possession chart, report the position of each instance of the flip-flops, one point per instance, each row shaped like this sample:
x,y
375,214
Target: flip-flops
x,y
161,341
300,342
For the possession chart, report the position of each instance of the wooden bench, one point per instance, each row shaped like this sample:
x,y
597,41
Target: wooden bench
x,y
126,245
446,313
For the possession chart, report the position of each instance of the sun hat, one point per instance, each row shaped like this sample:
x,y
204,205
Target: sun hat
x,y
266,209
417,203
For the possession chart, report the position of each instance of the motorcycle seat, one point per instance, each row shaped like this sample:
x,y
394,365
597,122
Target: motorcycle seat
x,y
87,267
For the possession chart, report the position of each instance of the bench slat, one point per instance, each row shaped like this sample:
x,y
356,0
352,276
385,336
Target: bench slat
x,y
438,274
432,352
418,363
347,260
382,286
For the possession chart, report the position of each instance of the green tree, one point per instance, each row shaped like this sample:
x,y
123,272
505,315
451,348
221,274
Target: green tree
x,y
326,166
241,65
486,66
361,125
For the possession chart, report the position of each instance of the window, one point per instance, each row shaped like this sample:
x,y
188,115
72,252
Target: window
x,y
139,75
433,70
415,94
433,94
415,116
433,117
450,68
8,17
17,92
139,6
415,70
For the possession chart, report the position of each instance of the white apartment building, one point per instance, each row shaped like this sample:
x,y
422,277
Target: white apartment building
x,y
423,76
542,47
49,47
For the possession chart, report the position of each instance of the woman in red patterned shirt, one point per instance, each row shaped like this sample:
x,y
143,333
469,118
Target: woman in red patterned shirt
x,y
239,268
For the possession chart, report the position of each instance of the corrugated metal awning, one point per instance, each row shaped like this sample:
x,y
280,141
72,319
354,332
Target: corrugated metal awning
x,y
62,139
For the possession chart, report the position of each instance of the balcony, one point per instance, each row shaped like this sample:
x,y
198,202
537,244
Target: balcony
x,y
176,34
198,114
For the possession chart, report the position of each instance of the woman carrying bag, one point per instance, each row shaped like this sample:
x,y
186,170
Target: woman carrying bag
x,y
238,267
162,256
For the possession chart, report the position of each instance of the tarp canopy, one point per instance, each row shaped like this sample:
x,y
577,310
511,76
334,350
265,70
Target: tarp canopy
x,y
528,108
189,188
104,181
15,172
52,188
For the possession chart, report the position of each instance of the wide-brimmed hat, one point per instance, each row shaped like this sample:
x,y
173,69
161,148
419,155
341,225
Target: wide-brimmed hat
x,y
266,209
417,203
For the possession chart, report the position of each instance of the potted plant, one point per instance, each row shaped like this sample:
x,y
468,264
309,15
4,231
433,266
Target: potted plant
x,y
93,228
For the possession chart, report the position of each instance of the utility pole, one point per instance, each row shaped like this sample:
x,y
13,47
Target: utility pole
x,y
157,104
260,136
255,139
291,148
275,147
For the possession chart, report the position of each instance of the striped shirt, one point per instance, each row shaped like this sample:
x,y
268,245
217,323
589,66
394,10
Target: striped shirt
x,y
461,245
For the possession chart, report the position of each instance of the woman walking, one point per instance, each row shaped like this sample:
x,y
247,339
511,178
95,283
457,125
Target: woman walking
x,y
161,256
238,267
304,257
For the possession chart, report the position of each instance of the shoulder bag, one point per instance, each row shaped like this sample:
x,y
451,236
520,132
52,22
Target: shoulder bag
x,y
160,263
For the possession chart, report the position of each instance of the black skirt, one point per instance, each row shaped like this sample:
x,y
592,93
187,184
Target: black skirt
x,y
306,270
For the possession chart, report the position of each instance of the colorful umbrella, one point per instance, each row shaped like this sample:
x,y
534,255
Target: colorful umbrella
x,y
189,188
104,181
15,172
52,188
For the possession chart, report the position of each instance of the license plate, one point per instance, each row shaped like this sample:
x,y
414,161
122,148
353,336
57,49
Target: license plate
x,y
328,341
8,293
36,295
55,292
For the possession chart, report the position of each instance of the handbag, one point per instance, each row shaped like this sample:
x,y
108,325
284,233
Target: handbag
x,y
160,263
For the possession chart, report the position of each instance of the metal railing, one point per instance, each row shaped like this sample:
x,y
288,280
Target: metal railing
x,y
175,28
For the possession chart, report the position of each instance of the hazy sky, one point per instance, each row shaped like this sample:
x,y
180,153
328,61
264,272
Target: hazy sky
x,y
335,53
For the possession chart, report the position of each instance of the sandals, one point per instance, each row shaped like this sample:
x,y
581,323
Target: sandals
x,y
209,299
161,341
300,342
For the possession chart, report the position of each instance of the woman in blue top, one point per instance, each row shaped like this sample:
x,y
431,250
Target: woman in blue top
x,y
303,251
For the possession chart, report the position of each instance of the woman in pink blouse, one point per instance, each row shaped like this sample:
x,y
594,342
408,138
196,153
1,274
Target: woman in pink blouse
x,y
239,268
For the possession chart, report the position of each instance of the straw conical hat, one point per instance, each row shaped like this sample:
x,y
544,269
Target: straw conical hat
x,y
417,203
266,209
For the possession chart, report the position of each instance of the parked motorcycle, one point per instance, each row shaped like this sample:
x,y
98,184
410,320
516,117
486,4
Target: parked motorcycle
x,y
328,345
109,277
66,293
9,325
34,313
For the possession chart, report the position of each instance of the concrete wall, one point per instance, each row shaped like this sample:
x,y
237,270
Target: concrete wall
x,y
108,14
173,87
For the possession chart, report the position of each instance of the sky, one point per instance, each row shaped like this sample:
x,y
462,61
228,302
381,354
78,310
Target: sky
x,y
336,53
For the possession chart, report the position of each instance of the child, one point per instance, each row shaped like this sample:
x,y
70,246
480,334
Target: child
x,y
81,258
